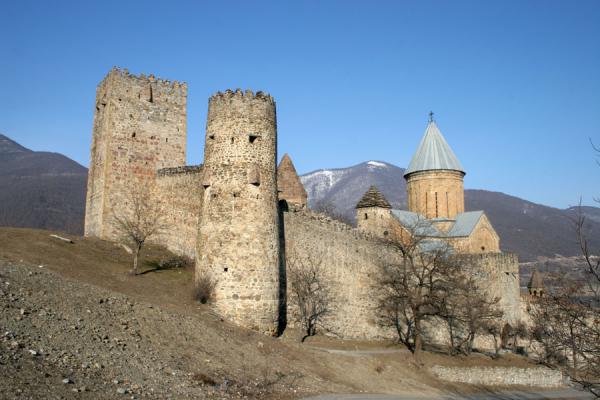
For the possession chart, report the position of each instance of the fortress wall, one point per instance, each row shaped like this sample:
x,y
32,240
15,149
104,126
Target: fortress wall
x,y
500,271
351,260
350,263
179,192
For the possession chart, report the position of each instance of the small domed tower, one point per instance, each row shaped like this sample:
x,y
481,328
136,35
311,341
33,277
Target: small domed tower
x,y
238,241
373,213
536,284
434,178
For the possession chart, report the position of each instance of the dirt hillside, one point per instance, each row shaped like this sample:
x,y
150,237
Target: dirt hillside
x,y
74,324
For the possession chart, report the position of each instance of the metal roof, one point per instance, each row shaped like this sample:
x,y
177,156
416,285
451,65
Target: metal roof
x,y
417,223
433,153
463,225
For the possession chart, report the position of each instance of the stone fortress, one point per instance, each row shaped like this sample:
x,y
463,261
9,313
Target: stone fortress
x,y
242,217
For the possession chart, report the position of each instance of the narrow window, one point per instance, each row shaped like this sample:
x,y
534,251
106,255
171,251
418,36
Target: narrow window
x,y
133,135
232,140
225,269
366,216
151,97
447,206
436,205
426,205
254,175
252,138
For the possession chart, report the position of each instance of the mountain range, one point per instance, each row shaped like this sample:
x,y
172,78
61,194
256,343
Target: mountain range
x,y
39,189
47,190
528,229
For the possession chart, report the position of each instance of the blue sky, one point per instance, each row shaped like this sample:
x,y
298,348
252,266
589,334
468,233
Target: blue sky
x,y
515,86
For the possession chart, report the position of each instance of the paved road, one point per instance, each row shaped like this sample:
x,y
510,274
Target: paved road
x,y
567,394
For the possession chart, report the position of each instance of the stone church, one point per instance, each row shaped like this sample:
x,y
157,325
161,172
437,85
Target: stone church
x,y
436,203
244,219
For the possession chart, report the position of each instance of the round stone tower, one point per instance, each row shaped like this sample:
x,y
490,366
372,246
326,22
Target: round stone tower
x,y
238,241
434,178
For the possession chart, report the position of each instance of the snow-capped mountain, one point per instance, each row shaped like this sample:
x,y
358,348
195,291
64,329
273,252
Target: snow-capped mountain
x,y
343,187
529,229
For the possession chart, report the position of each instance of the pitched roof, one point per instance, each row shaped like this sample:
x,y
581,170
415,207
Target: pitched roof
x,y
463,226
433,153
465,223
373,198
417,223
536,281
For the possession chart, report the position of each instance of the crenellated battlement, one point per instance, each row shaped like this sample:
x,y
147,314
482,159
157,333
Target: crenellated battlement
x,y
239,94
142,78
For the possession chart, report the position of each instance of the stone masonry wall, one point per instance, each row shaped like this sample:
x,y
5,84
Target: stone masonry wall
x,y
238,243
349,261
179,192
499,376
501,273
436,194
139,127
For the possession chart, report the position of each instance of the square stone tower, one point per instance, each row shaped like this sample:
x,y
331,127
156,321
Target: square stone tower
x,y
139,127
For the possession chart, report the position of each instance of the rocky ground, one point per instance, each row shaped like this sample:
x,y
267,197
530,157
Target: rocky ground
x,y
59,339
74,324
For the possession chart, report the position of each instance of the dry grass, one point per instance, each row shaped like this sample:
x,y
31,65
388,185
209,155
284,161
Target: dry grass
x,y
227,351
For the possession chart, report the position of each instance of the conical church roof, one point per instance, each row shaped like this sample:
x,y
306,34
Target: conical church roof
x,y
536,281
373,198
433,153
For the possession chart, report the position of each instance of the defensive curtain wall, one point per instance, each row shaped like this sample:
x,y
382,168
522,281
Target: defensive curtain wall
x,y
179,193
351,261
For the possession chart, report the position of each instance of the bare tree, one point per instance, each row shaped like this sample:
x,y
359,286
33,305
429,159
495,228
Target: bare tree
x,y
412,288
469,310
138,219
567,319
310,292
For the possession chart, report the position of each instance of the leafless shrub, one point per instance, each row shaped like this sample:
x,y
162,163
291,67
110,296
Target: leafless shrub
x,y
204,288
329,209
310,292
204,379
175,262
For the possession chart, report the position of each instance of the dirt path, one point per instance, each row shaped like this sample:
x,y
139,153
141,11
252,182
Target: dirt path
x,y
567,394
